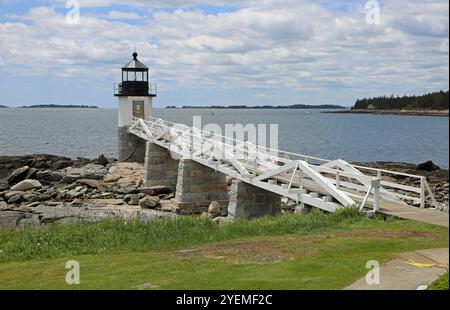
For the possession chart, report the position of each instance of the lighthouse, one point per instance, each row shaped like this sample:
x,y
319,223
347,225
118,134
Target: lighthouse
x,y
135,95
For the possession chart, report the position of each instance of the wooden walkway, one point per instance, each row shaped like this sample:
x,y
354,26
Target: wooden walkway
x,y
429,216
325,184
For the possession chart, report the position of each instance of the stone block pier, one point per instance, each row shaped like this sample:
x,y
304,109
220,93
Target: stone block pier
x,y
160,167
248,201
197,186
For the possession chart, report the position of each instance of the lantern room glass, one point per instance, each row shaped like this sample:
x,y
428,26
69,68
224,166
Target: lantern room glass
x,y
135,76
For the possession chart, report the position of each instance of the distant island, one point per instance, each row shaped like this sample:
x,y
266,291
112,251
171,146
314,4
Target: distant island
x,y
265,107
432,104
54,106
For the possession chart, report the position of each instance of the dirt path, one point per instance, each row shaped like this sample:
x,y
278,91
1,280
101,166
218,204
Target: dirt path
x,y
409,271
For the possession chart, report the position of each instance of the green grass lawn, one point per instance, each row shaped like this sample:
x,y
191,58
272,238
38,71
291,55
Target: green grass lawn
x,y
440,284
318,251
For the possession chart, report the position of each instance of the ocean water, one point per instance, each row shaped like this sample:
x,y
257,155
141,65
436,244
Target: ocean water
x,y
353,137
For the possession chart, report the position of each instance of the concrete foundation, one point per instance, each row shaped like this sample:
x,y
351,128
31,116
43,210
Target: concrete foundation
x,y
131,147
160,167
198,186
248,201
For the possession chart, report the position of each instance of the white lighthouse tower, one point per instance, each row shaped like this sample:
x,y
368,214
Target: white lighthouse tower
x,y
135,101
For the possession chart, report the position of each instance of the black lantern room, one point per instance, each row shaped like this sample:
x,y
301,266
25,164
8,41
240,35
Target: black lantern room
x,y
135,80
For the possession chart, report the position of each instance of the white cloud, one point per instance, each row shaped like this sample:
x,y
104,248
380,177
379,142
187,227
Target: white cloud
x,y
264,45
123,15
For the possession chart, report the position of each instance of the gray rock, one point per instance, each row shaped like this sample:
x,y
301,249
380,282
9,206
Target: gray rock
x,y
36,215
31,197
102,160
90,183
214,208
427,166
31,222
90,171
77,192
13,193
49,176
17,175
16,199
131,199
149,202
3,206
61,164
31,173
128,189
302,210
27,185
28,206
156,190
10,219
49,194
3,186
207,215
222,220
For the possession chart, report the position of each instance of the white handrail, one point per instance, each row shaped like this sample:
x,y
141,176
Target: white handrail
x,y
247,148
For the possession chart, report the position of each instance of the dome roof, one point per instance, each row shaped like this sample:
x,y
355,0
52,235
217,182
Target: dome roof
x,y
135,64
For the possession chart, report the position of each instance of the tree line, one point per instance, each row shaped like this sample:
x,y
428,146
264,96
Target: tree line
x,y
431,101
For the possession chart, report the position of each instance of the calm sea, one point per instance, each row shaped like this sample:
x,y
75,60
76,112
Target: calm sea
x,y
89,133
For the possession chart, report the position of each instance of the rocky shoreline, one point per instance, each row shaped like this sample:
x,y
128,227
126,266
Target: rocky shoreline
x,y
441,113
38,190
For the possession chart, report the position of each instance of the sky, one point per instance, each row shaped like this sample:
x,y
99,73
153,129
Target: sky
x,y
223,52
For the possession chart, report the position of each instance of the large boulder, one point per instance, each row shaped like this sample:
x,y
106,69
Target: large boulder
x,y
102,160
16,199
49,176
17,175
215,208
27,185
149,202
89,171
427,166
131,199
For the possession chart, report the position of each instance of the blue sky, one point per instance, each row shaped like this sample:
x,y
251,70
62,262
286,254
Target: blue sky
x,y
225,52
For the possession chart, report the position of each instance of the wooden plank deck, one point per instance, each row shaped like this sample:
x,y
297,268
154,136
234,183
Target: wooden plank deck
x,y
429,216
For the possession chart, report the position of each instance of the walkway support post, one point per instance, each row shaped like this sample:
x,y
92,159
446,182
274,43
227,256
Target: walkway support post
x,y
198,186
160,167
249,201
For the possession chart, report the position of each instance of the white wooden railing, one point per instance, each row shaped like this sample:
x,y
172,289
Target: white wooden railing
x,y
300,177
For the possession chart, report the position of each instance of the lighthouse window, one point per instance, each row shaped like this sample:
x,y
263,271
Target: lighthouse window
x,y
138,109
135,76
